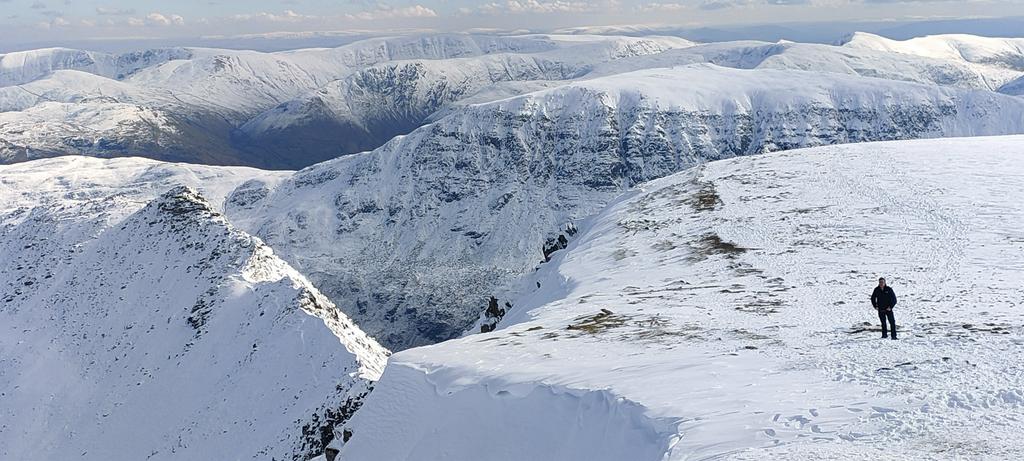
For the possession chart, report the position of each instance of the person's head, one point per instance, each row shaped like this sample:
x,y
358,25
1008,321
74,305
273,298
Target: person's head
x,y
881,282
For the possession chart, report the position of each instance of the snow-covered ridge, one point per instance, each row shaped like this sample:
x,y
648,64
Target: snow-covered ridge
x,y
26,66
362,110
203,95
49,182
295,108
725,311
108,128
76,86
72,111
863,61
412,238
138,323
365,109
246,83
999,52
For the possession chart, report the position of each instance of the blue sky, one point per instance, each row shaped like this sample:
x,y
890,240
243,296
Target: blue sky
x,y
42,21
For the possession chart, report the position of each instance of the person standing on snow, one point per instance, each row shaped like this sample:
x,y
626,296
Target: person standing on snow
x,y
884,299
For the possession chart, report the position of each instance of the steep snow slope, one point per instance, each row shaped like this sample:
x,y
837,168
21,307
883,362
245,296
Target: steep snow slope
x,y
723,313
369,107
412,238
146,329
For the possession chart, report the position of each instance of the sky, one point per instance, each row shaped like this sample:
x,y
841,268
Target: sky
x,y
41,22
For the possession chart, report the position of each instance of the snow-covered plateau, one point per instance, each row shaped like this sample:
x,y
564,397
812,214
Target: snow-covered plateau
x,y
723,313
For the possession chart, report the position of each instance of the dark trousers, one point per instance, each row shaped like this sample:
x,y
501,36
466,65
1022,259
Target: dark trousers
x,y
884,315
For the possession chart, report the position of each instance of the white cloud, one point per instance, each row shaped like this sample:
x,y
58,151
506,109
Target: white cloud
x,y
54,23
663,7
104,11
381,12
161,20
385,12
285,16
537,6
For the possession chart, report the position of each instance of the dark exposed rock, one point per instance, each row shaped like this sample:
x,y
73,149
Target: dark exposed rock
x,y
493,314
322,427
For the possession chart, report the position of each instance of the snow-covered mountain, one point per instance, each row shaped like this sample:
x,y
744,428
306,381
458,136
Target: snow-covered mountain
x,y
555,188
723,313
139,324
413,238
1004,56
851,60
369,107
26,66
76,86
114,129
997,52
203,95
72,111
295,108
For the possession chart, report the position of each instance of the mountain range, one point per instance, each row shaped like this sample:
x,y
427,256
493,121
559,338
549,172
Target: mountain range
x,y
569,240
291,109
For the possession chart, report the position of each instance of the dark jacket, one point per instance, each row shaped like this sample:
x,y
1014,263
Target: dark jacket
x,y
883,298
